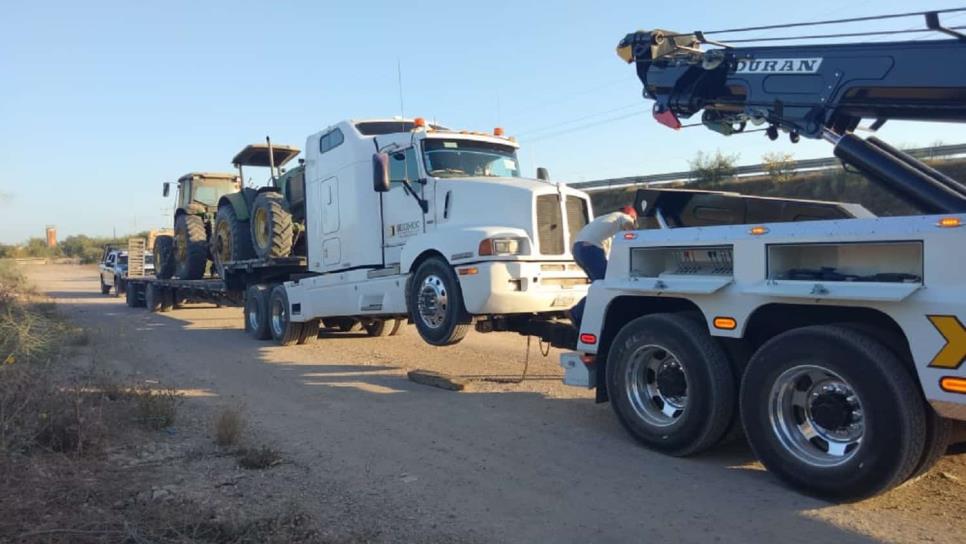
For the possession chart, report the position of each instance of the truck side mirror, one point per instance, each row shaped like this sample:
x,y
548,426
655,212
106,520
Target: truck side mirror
x,y
380,172
543,174
165,189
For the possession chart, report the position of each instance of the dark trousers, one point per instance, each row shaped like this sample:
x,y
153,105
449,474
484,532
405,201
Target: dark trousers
x,y
593,261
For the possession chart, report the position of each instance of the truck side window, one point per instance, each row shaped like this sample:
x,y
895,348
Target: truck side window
x,y
403,165
331,140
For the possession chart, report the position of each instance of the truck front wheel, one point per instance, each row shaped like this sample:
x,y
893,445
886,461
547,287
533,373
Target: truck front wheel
x,y
284,330
671,384
833,412
435,302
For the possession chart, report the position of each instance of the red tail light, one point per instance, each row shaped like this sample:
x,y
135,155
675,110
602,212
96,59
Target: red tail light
x,y
587,338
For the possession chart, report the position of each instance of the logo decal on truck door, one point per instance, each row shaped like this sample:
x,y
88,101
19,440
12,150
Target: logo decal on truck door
x,y
406,229
954,352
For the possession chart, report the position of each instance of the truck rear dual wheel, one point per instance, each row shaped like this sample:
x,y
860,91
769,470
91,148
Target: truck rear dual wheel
x,y
256,312
190,247
164,256
271,226
671,384
382,327
230,239
435,302
285,332
834,413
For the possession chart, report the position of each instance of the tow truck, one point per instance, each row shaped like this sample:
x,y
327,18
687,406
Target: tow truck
x,y
838,344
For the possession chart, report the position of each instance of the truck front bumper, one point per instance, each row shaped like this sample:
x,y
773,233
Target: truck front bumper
x,y
515,287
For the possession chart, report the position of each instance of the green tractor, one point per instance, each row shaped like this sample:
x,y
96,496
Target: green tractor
x,y
268,221
185,255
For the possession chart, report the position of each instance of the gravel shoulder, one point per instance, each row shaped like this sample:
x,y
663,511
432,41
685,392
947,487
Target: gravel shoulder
x,y
529,462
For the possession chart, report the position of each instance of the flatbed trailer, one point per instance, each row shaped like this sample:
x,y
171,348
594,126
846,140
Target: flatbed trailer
x,y
162,295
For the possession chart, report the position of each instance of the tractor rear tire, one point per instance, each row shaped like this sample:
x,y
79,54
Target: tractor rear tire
x,y
164,256
271,226
191,247
230,239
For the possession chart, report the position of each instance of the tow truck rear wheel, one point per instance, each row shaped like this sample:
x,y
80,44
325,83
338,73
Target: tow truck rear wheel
x,y
833,412
284,330
671,384
256,312
435,303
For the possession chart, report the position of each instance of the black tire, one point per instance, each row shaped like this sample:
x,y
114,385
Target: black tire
x,y
867,395
164,264
256,312
397,328
191,247
379,327
271,226
152,297
118,286
167,299
285,332
347,324
939,434
648,401
131,296
230,239
105,288
442,319
310,332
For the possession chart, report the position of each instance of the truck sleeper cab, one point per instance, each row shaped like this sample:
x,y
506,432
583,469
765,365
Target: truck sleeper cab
x,y
405,220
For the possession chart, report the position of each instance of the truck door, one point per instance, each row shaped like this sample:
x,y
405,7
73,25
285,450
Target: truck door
x,y
331,243
402,218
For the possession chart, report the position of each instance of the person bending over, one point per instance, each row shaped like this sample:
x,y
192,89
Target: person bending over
x,y
592,246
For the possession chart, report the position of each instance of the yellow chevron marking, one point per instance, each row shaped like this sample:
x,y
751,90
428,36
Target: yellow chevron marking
x,y
954,352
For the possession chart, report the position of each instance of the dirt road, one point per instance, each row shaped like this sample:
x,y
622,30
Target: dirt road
x,y
534,462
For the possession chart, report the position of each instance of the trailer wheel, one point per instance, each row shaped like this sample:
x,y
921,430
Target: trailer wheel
x,y
435,302
167,299
105,288
670,384
230,239
310,332
833,412
131,296
256,312
164,257
284,330
152,297
190,247
271,226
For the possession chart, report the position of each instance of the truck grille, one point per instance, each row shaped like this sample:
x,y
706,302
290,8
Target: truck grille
x,y
550,232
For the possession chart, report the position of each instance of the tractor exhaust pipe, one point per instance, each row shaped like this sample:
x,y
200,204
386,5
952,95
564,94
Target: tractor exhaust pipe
x,y
899,177
271,159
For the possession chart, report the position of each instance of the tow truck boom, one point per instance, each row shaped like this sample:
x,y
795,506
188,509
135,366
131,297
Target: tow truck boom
x,y
815,91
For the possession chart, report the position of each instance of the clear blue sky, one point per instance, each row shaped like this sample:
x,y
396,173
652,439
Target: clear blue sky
x,y
102,101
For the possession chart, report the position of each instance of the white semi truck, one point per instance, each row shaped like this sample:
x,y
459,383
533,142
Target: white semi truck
x,y
405,220
837,345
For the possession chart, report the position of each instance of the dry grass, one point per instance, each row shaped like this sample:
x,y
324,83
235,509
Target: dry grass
x,y
259,458
156,408
229,426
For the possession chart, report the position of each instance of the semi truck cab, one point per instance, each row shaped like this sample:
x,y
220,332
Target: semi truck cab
x,y
410,219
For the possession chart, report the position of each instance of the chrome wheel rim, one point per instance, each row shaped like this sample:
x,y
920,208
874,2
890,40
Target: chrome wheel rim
x,y
279,319
433,301
816,415
656,385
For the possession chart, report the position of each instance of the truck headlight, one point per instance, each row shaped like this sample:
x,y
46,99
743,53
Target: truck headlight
x,y
504,245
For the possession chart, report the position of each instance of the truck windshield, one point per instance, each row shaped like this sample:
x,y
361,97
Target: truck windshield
x,y
455,158
209,193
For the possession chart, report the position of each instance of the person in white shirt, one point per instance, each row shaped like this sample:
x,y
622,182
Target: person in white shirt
x,y
592,246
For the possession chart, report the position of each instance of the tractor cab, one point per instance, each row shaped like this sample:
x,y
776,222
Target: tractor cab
x,y
199,192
